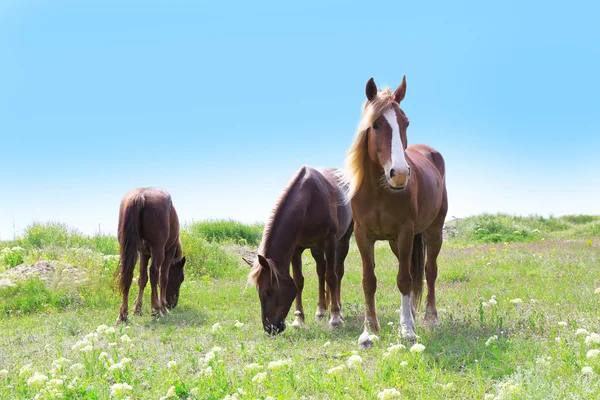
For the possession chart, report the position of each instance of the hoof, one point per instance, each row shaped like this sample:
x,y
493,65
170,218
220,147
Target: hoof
x,y
320,314
408,333
137,311
431,320
335,322
122,318
156,313
298,322
364,341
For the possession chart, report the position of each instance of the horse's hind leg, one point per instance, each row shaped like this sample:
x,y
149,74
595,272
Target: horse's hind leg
x,y
343,245
433,243
143,280
319,258
299,280
332,282
158,255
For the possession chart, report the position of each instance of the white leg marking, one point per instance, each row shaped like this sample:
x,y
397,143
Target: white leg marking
x,y
407,322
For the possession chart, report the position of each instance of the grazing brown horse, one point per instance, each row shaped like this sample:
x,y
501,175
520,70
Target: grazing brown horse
x,y
148,224
398,194
312,213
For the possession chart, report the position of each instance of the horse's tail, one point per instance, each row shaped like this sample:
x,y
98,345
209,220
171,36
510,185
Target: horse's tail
x,y
418,267
129,239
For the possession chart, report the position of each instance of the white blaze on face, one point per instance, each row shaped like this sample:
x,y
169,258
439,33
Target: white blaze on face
x,y
398,163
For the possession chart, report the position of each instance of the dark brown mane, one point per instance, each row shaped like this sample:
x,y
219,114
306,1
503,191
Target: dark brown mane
x,y
279,206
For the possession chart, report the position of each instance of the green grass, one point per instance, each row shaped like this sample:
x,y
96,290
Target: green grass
x,y
534,356
220,231
504,228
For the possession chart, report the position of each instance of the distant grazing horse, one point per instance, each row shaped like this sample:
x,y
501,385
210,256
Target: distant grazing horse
x,y
312,213
148,224
398,194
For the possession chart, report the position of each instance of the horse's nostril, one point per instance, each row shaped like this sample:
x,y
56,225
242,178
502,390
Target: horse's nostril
x,y
408,171
392,172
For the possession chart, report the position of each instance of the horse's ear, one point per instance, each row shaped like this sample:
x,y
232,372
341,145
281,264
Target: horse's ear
x,y
263,261
371,89
250,263
401,91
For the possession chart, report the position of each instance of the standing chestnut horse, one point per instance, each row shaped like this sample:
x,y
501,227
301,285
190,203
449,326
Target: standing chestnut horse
x,y
312,213
398,194
148,224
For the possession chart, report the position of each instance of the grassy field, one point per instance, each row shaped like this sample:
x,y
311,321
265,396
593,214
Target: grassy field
x,y
517,299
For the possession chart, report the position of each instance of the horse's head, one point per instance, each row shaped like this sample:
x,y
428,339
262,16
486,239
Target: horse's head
x,y
176,277
386,133
276,291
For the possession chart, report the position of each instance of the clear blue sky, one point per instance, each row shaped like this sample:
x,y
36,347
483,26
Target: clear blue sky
x,y
220,102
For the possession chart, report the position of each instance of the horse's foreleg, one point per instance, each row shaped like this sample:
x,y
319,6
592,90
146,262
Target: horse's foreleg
x,y
366,247
332,282
299,280
142,281
164,280
158,255
405,283
319,257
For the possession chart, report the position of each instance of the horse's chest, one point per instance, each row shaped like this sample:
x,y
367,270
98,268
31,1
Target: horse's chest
x,y
380,224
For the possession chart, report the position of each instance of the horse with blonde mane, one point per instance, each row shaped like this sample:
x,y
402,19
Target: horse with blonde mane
x,y
312,213
397,193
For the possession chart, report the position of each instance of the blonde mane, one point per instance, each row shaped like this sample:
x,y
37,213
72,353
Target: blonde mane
x,y
257,267
355,158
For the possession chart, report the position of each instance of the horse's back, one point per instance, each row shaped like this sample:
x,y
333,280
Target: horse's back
x,y
431,154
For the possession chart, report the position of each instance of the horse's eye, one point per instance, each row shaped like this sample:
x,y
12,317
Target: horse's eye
x,y
375,125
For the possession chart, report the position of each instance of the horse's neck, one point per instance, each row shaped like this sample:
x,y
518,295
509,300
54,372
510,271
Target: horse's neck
x,y
283,236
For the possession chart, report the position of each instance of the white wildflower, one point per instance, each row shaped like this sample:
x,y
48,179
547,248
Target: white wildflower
x,y
417,348
77,368
395,348
216,327
449,386
373,338
110,330
517,301
171,364
194,391
491,340
25,370
557,339
259,378
593,338
238,324
485,304
112,344
489,396
391,323
592,353
81,344
101,329
55,383
252,367
492,302
326,344
587,370
231,397
92,337
562,323
104,358
241,391
120,389
354,361
3,373
61,363
403,364
117,367
208,371
171,393
336,370
125,338
37,380
386,394
273,365
597,291
86,349
581,331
